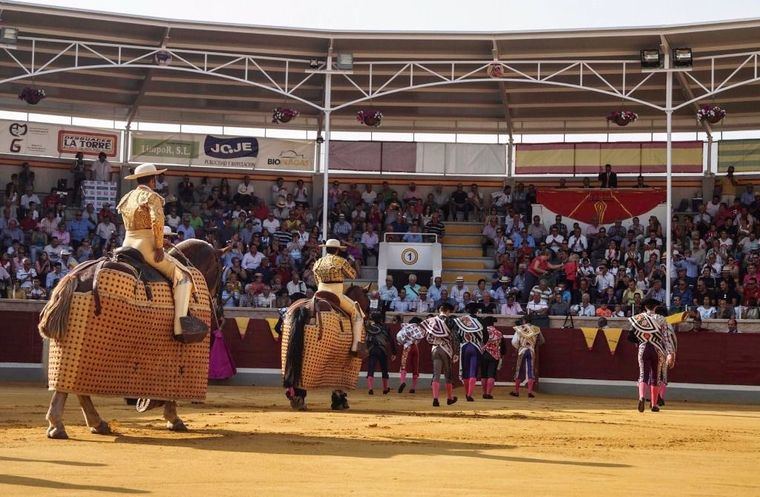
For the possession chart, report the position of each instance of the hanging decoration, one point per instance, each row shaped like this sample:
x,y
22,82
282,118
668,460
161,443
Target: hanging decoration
x,y
711,113
32,96
282,115
622,117
163,58
372,118
495,70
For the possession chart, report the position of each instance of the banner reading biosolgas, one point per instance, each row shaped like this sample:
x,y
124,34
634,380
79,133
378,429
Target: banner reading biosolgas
x,y
223,151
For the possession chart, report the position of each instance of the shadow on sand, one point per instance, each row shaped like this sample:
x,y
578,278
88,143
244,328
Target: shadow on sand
x,y
382,448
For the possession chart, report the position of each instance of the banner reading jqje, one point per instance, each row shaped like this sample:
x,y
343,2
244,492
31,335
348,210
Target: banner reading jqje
x,y
223,151
53,140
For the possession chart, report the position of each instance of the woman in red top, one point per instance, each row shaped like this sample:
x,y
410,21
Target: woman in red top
x,y
537,269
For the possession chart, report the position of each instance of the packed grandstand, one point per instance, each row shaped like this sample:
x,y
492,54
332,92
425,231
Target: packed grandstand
x,y
274,234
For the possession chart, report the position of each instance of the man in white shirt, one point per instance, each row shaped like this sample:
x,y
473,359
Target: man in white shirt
x,y
554,240
388,292
577,242
278,190
511,307
295,285
368,195
536,306
102,168
266,298
400,304
173,219
434,292
458,290
105,229
28,197
585,308
252,260
604,279
270,223
537,229
26,274
301,194
369,242
245,193
162,186
54,250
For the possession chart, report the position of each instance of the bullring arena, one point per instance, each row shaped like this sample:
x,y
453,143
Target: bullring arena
x,y
471,263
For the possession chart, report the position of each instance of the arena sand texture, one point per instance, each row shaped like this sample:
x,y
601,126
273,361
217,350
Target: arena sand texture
x,y
245,441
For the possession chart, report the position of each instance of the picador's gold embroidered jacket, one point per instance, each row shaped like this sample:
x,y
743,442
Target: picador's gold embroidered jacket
x,y
143,209
333,268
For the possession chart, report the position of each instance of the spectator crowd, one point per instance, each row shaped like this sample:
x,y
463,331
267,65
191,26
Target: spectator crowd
x,y
274,235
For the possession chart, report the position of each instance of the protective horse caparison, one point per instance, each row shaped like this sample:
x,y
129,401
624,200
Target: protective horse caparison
x,y
81,287
316,347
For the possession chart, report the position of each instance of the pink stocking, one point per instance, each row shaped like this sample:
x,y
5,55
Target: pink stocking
x,y
663,387
530,385
402,375
473,384
436,385
653,391
414,381
449,391
517,386
385,383
370,382
484,382
642,389
491,382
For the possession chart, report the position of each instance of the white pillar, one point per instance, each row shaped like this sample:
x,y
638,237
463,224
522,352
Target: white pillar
x,y
326,148
669,179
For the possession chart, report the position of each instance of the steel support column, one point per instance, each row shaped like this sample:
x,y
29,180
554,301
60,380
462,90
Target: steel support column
x,y
326,148
669,179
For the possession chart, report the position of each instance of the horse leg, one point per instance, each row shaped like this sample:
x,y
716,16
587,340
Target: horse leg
x,y
54,416
173,422
94,422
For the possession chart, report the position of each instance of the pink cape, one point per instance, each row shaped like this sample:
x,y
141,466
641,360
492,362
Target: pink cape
x,y
221,365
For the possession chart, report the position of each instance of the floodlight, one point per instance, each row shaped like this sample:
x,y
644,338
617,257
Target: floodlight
x,y
344,61
314,63
682,57
8,37
651,58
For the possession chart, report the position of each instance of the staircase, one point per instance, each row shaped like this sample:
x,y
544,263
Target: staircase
x,y
462,254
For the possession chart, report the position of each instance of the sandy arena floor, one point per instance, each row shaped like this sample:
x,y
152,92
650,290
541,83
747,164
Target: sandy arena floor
x,y
246,442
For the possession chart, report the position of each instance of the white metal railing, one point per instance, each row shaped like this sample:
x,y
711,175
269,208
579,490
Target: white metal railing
x,y
424,236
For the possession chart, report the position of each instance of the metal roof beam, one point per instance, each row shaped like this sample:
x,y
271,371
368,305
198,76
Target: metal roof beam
x,y
504,96
144,85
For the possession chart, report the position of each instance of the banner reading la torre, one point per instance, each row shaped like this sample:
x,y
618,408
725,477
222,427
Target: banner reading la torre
x,y
53,140
223,151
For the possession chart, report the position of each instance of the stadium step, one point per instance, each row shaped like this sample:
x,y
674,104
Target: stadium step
x,y
456,239
463,228
468,251
457,263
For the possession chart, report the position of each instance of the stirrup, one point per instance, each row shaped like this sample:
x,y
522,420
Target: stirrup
x,y
144,405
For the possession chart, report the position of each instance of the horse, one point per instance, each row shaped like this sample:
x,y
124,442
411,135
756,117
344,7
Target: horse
x,y
193,253
307,360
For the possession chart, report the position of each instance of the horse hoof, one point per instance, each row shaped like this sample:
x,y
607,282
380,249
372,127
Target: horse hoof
x,y
57,433
177,425
297,403
101,429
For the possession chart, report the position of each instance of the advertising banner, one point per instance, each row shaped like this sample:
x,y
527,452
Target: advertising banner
x,y
54,140
223,151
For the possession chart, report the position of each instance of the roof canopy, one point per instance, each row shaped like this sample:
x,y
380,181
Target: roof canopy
x,y
102,65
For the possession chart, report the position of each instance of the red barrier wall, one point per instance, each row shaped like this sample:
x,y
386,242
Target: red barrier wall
x,y
705,357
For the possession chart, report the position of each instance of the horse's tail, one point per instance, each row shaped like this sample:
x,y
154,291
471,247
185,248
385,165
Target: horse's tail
x,y
54,318
294,357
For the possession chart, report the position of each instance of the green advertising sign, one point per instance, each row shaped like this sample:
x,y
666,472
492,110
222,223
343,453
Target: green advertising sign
x,y
168,148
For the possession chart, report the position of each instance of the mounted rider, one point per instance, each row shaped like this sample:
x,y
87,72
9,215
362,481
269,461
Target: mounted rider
x,y
330,271
142,210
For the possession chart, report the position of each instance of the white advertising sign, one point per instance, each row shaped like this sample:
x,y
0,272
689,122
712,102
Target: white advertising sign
x,y
54,140
223,151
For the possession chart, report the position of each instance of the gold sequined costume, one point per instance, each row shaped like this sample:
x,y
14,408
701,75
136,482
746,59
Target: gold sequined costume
x,y
330,271
142,210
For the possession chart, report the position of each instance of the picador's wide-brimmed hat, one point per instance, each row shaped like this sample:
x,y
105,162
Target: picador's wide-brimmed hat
x,y
333,243
147,169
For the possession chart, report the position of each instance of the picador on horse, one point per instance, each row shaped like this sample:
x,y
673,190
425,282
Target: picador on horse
x,y
322,336
133,324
